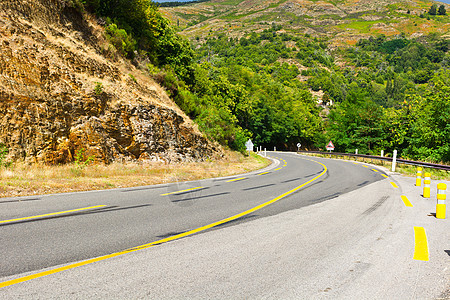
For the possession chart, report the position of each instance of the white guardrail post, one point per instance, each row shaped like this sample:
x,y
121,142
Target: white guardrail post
x,y
394,160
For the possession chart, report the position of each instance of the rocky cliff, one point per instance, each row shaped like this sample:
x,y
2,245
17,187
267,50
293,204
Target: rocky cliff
x,y
60,95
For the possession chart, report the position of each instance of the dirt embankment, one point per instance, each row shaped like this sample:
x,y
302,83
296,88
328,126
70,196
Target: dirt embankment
x,y
61,95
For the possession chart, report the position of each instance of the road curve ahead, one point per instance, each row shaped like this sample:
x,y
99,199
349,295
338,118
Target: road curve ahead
x,y
48,231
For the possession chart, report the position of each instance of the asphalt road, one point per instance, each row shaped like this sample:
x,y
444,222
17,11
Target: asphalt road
x,y
110,221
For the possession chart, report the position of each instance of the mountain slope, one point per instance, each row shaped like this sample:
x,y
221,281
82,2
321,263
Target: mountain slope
x,y
344,21
64,95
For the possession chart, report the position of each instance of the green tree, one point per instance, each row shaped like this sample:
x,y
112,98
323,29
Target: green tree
x,y
433,10
442,11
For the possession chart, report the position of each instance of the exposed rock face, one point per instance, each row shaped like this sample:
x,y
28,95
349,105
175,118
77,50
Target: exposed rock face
x,y
59,94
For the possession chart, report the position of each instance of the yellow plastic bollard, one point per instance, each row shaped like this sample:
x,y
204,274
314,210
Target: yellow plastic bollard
x,y
419,176
426,185
441,197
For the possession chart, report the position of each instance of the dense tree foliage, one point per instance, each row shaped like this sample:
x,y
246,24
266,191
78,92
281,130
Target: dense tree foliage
x,y
384,94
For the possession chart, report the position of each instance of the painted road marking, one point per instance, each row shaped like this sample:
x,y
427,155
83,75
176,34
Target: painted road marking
x,y
394,185
385,176
263,173
365,166
406,201
420,244
179,192
237,179
52,214
278,169
171,238
374,170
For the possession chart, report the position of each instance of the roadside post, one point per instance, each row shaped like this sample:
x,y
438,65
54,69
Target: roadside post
x,y
265,152
426,185
274,149
394,160
419,176
298,147
441,197
382,153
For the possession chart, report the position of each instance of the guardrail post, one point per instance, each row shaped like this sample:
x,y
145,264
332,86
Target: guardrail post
x,y
426,185
441,197
419,176
394,160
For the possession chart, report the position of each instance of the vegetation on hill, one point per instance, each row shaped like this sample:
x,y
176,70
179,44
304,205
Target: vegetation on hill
x,y
386,92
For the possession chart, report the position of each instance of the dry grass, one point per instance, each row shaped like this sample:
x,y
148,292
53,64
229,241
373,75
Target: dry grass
x,y
26,180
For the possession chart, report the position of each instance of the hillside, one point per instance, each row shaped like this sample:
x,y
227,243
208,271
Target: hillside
x,y
344,22
65,95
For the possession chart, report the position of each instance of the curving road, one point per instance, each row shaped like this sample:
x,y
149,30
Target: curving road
x,y
46,231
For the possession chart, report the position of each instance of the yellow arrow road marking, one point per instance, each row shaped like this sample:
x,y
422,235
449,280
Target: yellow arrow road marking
x,y
171,238
237,179
406,201
51,214
188,190
420,244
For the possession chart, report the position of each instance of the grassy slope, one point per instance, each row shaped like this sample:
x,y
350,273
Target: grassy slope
x,y
342,21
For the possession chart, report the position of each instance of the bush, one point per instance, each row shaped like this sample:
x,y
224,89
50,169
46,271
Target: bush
x,y
121,40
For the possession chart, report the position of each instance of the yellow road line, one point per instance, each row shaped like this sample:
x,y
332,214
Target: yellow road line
x,y
394,185
365,166
374,170
188,190
420,244
385,176
51,214
406,201
263,173
237,179
278,169
171,238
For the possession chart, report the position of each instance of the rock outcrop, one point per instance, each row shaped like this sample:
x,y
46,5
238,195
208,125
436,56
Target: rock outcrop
x,y
60,95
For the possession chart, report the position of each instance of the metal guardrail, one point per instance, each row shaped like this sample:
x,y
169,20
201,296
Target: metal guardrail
x,y
399,160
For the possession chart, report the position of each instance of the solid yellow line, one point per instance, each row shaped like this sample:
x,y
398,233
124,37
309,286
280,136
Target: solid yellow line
x,y
394,185
51,214
278,169
177,192
384,176
365,166
375,170
171,238
237,179
420,244
263,173
406,201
